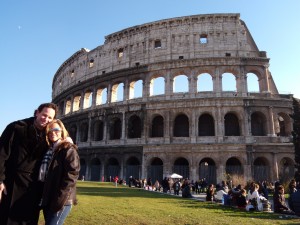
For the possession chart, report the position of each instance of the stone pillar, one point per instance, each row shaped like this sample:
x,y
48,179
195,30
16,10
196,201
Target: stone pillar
x,y
89,129
126,91
146,89
217,79
123,136
267,83
243,82
168,86
275,170
271,132
193,127
220,123
220,173
109,93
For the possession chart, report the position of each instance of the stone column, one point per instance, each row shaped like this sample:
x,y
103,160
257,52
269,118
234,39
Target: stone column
x,y
109,93
217,82
271,131
126,91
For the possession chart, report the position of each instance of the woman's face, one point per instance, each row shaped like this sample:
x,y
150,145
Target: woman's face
x,y
54,133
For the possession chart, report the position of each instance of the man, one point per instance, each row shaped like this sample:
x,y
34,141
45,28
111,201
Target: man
x,y
22,147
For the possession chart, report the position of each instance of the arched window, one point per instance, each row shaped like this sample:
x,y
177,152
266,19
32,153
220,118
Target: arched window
x,y
157,86
98,130
134,127
206,126
258,124
180,84
157,127
115,129
204,82
228,82
232,127
181,126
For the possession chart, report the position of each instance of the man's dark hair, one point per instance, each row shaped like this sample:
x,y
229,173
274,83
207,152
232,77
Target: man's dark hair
x,y
47,105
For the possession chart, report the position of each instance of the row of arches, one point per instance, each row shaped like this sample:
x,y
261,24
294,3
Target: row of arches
x,y
112,128
207,168
160,85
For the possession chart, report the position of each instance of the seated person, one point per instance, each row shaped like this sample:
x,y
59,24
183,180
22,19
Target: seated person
x,y
241,200
279,201
186,192
210,193
220,195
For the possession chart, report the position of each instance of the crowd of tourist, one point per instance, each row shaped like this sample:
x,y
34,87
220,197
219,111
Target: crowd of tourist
x,y
252,197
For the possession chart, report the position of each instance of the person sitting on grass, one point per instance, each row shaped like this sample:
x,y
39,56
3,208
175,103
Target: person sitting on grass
x,y
210,193
241,200
279,202
186,191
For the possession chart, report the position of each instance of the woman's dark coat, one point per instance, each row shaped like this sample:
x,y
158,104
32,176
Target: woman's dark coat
x,y
60,183
22,148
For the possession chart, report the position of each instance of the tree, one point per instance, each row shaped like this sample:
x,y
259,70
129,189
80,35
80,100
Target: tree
x,y
296,135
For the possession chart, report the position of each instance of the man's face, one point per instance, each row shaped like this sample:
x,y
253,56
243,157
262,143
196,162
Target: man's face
x,y
44,117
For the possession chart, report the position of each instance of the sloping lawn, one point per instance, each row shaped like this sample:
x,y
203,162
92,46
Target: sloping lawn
x,y
103,203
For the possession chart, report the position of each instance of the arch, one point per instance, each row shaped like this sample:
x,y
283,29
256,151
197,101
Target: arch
x,y
133,168
76,103
95,169
234,167
261,169
68,106
98,130
258,124
181,166
286,169
112,168
117,92
155,169
115,128
82,169
204,82
229,82
136,89
88,99
157,86
180,84
181,126
207,170
252,82
84,132
232,127
283,125
101,96
157,126
134,127
73,133
206,125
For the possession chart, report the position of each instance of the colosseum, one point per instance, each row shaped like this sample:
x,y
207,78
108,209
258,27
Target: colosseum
x,y
174,96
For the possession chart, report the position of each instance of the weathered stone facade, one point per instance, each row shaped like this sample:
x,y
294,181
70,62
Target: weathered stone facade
x,y
197,133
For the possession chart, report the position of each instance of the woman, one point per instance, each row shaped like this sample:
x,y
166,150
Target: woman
x,y
59,170
210,193
279,202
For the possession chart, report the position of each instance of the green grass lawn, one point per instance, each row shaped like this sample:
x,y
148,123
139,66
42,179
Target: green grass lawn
x,y
102,203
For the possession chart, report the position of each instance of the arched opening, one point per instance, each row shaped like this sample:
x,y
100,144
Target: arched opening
x,y
101,96
134,127
232,127
155,170
157,127
117,92
207,170
133,168
252,83
204,82
136,89
283,125
286,169
206,125
181,126
180,84
261,169
82,169
228,82
258,124
73,133
88,99
76,103
115,129
181,167
112,169
98,130
84,132
95,169
68,106
234,167
157,86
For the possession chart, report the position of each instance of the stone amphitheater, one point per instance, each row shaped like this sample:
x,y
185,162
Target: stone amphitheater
x,y
174,96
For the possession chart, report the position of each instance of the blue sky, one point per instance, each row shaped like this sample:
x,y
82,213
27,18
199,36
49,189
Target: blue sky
x,y
38,36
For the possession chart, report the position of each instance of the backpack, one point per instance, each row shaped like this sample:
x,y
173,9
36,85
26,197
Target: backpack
x,y
177,186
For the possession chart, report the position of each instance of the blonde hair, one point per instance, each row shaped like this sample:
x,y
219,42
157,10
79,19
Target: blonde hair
x,y
64,132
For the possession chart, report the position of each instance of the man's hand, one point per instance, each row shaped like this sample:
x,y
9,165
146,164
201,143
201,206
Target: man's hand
x,y
2,190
